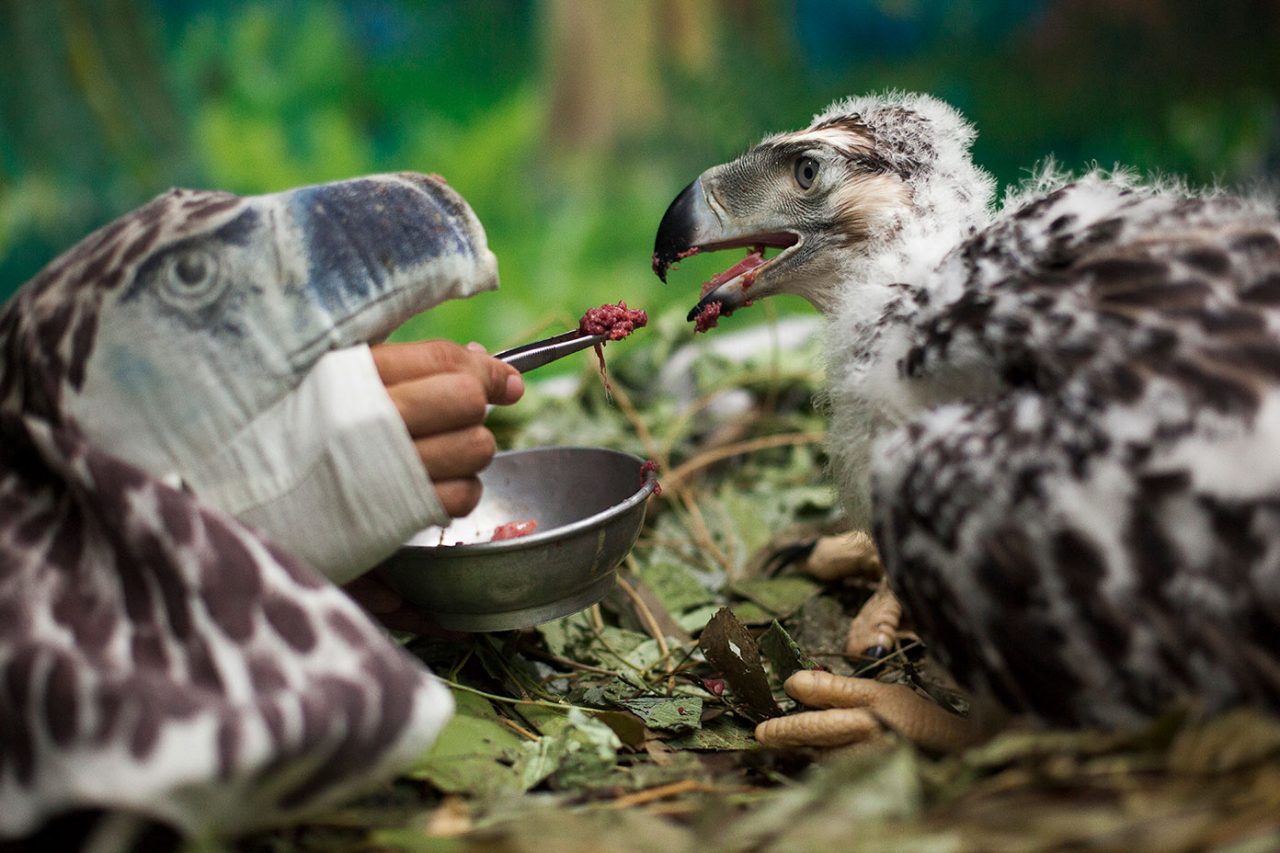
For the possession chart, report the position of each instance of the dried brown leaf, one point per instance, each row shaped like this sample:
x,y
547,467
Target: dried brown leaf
x,y
730,648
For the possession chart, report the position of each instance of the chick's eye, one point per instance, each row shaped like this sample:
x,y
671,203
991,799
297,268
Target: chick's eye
x,y
806,172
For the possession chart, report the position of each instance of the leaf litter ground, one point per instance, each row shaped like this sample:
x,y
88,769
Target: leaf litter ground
x,y
629,726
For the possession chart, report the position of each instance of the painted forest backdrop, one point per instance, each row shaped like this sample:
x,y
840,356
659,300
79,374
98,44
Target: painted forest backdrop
x,y
569,124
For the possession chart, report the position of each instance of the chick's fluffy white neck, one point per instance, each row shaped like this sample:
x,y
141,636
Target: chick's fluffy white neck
x,y
868,331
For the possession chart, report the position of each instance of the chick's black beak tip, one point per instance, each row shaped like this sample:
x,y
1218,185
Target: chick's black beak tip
x,y
675,232
726,306
660,266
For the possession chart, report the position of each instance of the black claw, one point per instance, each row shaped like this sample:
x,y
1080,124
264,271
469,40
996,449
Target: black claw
x,y
788,554
876,652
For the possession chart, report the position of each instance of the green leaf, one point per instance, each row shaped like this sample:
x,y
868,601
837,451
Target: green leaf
x,y
695,620
674,585
662,713
744,512
719,735
783,653
642,656
475,754
574,637
412,840
625,725
544,720
750,613
541,759
610,693
554,722
780,596
590,750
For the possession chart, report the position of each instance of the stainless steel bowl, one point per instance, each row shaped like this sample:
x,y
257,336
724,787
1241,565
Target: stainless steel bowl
x,y
589,504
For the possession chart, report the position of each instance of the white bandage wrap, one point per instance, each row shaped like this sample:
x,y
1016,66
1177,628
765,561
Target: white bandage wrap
x,y
329,472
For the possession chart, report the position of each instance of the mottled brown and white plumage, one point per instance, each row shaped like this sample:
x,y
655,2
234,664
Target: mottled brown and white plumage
x,y
157,657
1062,417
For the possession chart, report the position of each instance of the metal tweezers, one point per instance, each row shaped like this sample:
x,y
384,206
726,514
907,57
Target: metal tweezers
x,y
528,356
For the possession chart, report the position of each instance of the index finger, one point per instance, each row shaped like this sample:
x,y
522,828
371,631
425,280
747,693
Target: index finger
x,y
398,363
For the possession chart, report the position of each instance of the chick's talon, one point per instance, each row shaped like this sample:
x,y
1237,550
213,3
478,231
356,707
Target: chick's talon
x,y
876,625
876,652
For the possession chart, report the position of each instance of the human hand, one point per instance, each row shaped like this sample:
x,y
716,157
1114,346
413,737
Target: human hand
x,y
441,390
385,605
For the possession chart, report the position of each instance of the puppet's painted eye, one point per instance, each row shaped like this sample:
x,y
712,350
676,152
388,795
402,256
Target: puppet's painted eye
x,y
190,278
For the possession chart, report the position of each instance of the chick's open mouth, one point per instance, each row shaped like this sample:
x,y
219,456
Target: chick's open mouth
x,y
729,290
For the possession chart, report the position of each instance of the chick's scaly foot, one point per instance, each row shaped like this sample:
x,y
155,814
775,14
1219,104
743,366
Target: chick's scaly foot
x,y
874,632
844,555
855,709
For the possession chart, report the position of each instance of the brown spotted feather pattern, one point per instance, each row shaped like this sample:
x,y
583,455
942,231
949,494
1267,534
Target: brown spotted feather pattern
x,y
156,656
1098,540
1061,414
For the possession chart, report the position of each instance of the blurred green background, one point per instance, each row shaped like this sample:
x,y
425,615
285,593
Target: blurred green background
x,y
570,124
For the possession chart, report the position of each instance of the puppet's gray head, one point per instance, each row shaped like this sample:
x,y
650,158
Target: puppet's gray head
x,y
827,199
170,328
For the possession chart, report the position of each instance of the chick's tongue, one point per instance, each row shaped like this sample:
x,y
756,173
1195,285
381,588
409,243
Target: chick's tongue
x,y
754,258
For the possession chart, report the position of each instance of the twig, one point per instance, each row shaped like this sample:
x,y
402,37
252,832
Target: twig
x,y
564,676
674,808
676,476
662,792
702,533
563,706
519,729
899,654
457,667
533,651
646,616
598,633
632,415
519,680
674,432
682,548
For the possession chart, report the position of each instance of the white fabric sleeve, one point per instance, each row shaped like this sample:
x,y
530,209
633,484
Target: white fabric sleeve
x,y
329,473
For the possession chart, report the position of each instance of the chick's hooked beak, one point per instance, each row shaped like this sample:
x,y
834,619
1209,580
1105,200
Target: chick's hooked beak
x,y
676,233
695,223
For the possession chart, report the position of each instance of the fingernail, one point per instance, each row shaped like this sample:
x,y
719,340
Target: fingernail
x,y
515,387
476,346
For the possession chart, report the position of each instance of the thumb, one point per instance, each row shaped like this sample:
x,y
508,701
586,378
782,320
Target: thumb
x,y
506,385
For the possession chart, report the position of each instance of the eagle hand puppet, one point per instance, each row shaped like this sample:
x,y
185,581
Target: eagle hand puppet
x,y
160,656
